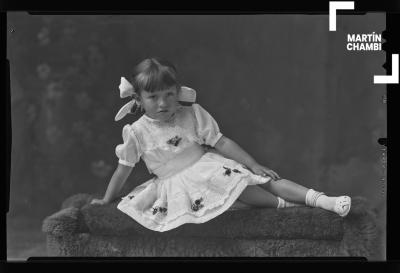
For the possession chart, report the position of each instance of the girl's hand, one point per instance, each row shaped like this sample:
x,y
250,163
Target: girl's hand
x,y
264,171
99,202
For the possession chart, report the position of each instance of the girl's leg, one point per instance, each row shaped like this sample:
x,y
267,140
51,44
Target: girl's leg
x,y
282,203
287,189
294,192
256,196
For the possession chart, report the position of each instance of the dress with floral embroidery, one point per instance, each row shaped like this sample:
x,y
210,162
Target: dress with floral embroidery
x,y
191,185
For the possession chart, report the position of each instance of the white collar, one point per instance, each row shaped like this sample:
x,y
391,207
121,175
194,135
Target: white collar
x,y
170,121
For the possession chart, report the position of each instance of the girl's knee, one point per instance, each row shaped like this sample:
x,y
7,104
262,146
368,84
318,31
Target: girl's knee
x,y
257,196
266,186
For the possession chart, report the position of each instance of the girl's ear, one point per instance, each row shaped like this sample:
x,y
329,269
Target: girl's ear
x,y
137,97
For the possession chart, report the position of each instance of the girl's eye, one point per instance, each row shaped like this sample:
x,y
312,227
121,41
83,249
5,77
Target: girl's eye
x,y
152,97
170,94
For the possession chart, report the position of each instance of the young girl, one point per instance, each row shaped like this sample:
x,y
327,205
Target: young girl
x,y
191,185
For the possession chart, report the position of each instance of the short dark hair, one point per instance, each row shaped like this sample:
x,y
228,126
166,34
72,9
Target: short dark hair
x,y
154,74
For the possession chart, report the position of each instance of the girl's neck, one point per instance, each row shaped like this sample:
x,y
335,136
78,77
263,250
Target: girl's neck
x,y
170,119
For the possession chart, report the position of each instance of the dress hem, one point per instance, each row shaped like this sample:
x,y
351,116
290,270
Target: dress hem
x,y
186,218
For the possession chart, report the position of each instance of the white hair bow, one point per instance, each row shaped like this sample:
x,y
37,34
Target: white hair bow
x,y
126,89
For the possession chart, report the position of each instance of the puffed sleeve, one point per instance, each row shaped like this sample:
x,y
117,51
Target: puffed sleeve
x,y
206,127
128,152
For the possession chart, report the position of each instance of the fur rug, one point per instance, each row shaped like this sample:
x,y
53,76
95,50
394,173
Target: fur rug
x,y
81,229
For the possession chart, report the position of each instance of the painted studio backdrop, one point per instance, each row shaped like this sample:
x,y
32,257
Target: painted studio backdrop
x,y
282,86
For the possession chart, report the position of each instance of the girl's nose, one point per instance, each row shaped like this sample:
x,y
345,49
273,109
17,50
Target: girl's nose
x,y
162,102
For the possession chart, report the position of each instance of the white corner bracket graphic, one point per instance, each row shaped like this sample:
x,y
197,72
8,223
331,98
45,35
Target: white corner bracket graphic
x,y
335,5
394,78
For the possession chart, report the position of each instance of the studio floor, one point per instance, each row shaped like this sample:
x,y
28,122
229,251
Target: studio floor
x,y
24,238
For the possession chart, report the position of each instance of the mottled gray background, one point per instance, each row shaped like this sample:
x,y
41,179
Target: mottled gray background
x,y
282,86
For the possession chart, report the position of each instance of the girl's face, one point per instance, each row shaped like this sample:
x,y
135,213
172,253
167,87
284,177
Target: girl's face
x,y
160,105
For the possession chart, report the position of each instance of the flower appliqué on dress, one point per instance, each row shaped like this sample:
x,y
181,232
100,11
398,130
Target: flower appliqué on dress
x,y
174,141
228,171
197,204
159,209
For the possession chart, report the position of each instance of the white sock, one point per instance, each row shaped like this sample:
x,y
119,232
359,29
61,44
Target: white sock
x,y
311,197
282,203
320,200
326,202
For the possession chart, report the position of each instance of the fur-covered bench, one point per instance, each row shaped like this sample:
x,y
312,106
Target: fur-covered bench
x,y
82,229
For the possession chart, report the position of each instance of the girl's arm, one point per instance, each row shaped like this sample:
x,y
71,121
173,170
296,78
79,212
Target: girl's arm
x,y
114,187
232,150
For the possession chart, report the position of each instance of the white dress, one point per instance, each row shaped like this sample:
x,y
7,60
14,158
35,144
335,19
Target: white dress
x,y
191,185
